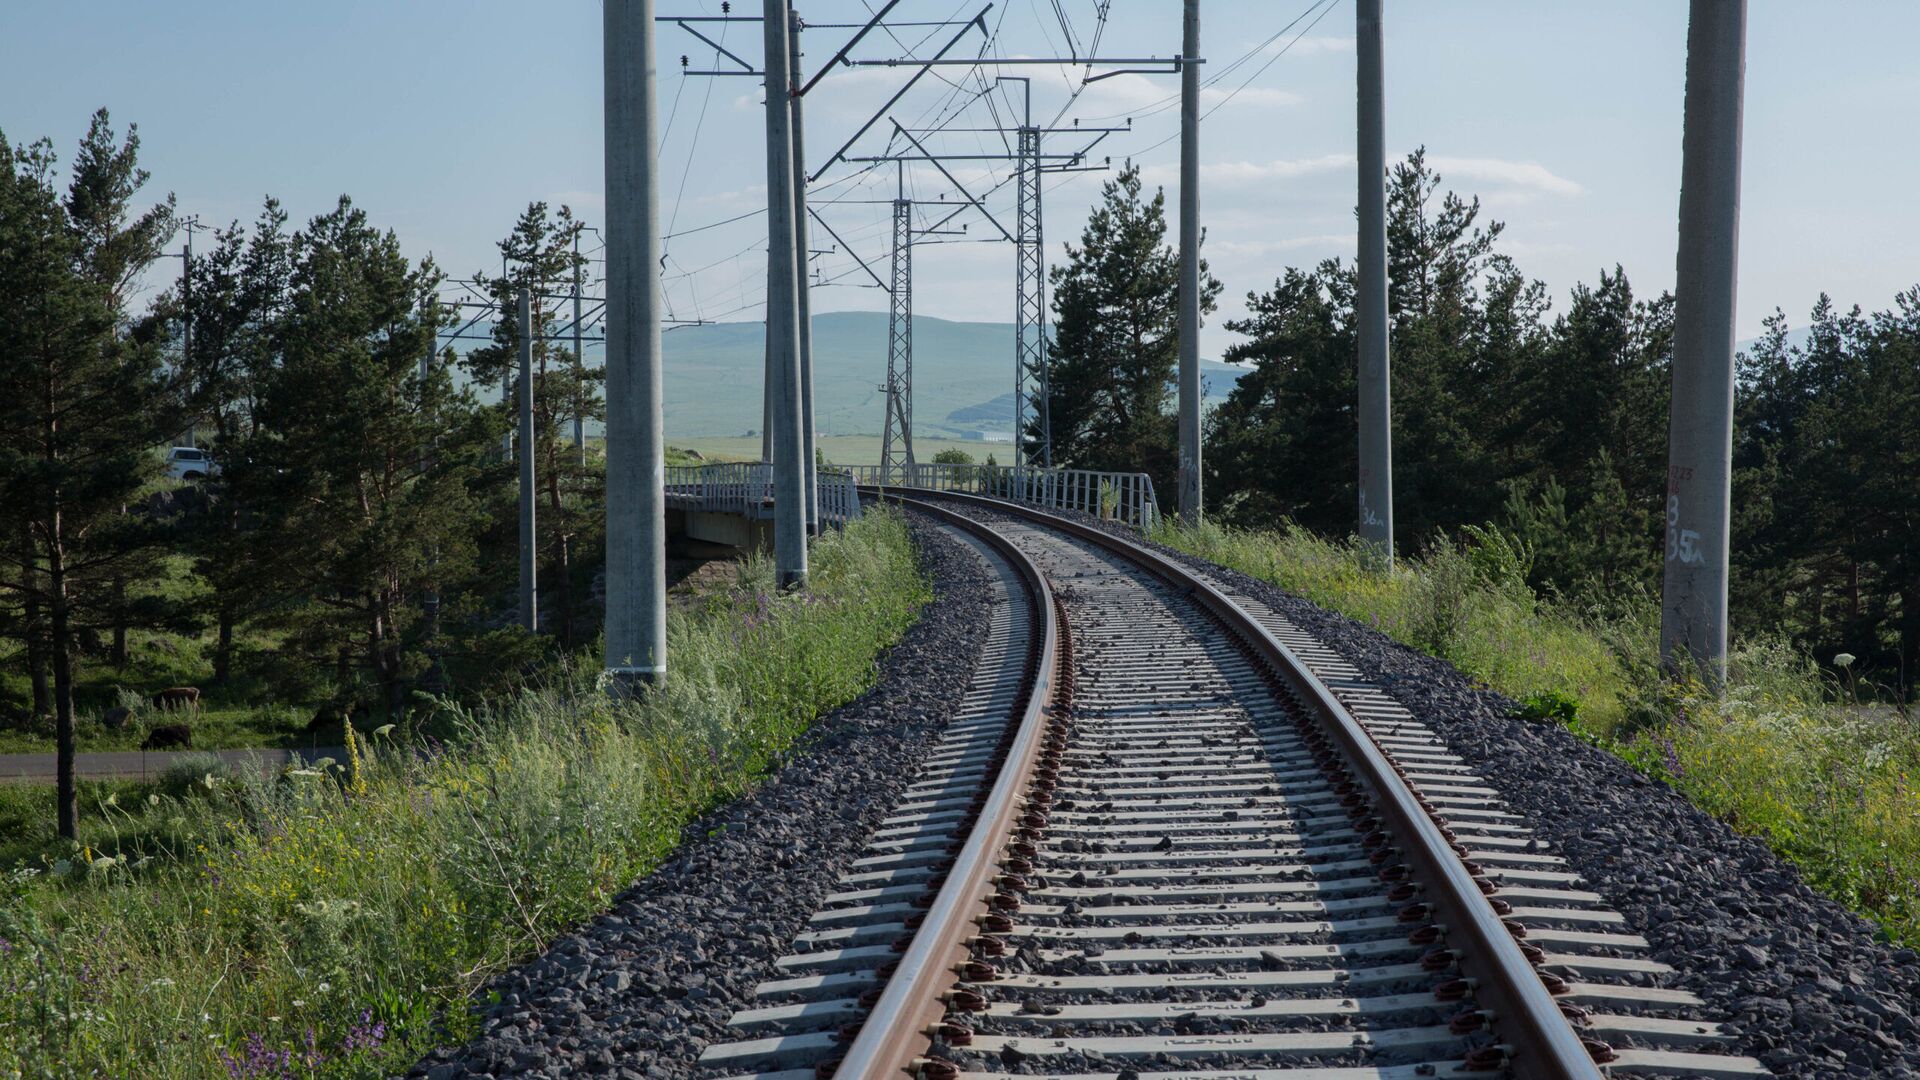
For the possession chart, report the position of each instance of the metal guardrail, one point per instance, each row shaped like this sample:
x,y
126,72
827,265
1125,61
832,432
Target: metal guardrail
x,y
746,488
1115,496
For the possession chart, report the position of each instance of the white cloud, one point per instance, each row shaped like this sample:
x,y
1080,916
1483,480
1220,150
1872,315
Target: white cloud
x,y
1263,96
1524,175
1239,173
1247,249
1311,45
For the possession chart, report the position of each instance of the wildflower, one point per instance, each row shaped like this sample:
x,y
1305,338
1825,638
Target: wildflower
x,y
1844,659
368,1034
1670,758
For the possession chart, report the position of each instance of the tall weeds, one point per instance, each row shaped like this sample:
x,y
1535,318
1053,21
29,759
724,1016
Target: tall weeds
x,y
323,924
1784,753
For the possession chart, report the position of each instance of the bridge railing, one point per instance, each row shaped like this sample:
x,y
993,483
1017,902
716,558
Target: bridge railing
x,y
1115,496
746,488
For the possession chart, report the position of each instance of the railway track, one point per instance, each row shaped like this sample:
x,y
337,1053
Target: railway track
x,y
1169,834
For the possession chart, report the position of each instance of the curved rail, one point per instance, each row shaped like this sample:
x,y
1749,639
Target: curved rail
x,y
1537,1040
898,1030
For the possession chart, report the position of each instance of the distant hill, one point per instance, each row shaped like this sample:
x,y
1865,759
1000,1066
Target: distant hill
x,y
963,376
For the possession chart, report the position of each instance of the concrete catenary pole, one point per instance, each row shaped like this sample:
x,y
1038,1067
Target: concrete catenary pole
x,y
783,331
529,570
186,328
1376,393
804,302
636,626
579,370
1693,595
1189,478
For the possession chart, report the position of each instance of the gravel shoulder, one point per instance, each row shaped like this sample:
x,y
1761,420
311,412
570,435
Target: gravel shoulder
x,y
1806,984
640,990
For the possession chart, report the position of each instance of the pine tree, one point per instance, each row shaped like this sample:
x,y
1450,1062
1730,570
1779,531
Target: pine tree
x,y
365,497
239,297
81,406
1284,442
1115,342
540,257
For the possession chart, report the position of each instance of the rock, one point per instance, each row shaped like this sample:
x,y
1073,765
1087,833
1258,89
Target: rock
x,y
656,978
169,735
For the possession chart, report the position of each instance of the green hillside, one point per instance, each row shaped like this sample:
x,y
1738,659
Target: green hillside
x,y
963,376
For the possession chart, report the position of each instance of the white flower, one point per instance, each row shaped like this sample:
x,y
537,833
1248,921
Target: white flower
x,y
1844,659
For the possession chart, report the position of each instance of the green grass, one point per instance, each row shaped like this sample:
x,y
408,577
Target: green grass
x,y
1784,753
345,916
231,716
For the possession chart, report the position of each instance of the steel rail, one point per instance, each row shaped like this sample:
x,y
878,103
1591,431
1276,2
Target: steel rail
x,y
1537,1039
899,1030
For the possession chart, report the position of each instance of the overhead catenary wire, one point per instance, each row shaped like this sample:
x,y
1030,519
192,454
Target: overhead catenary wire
x,y
948,107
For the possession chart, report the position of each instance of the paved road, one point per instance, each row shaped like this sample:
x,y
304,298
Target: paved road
x,y
141,764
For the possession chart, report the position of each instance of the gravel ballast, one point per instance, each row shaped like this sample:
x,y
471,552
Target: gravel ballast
x,y
642,989
1801,980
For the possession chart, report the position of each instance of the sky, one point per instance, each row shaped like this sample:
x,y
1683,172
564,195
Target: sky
x,y
444,120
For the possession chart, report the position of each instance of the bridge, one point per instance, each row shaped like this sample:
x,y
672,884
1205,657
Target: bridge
x,y
733,504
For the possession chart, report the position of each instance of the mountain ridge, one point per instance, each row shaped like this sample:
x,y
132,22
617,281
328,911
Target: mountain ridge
x,y
963,376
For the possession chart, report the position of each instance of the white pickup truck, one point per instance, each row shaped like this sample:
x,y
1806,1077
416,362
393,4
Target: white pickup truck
x,y
190,463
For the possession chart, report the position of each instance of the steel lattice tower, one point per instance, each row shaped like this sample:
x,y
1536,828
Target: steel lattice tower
x,y
1030,305
899,386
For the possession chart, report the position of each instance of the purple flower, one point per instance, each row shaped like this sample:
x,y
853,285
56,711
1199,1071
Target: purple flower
x,y
369,1034
1670,758
257,1060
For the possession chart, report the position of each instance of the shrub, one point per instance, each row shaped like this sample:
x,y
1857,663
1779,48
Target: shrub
x,y
341,927
1784,752
1549,705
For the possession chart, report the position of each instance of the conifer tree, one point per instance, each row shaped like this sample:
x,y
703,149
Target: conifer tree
x,y
540,257
365,467
81,406
1115,338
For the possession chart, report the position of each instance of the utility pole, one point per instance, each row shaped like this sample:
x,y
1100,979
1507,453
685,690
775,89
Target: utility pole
x,y
506,377
1030,294
803,311
1376,396
1189,479
579,408
1030,291
529,573
1693,595
899,387
783,332
186,316
636,624
433,680
186,323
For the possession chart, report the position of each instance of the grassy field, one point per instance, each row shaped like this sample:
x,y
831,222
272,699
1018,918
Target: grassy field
x,y
1785,753
239,714
335,922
